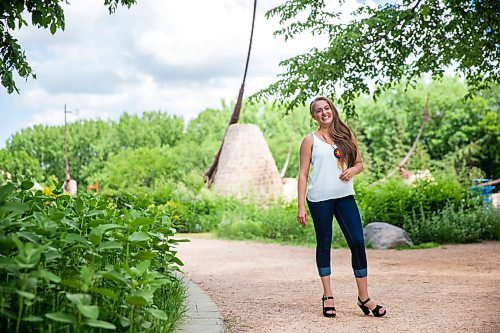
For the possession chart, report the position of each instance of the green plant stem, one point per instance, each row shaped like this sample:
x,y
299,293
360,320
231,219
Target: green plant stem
x,y
21,303
131,329
127,256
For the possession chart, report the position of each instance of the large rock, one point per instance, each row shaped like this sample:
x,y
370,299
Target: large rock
x,y
382,235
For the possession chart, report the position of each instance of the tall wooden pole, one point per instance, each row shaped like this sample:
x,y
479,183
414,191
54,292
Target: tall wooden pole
x,y
210,173
68,177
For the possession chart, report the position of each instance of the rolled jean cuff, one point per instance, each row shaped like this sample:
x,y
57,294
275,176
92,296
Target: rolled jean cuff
x,y
360,273
324,271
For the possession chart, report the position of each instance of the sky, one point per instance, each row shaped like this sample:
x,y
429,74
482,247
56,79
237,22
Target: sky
x,y
179,57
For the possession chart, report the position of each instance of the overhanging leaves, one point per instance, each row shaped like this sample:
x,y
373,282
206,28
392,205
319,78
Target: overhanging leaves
x,y
384,46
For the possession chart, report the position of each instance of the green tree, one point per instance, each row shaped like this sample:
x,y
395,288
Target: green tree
x,y
14,15
45,144
151,129
20,163
460,133
209,125
394,43
91,143
146,168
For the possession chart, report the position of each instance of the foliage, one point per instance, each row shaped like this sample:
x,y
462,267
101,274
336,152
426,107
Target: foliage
x,y
91,143
458,132
454,225
154,156
276,222
393,200
283,132
44,14
85,264
152,129
20,163
394,43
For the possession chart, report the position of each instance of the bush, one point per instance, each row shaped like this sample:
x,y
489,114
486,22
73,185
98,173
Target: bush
x,y
455,225
277,222
86,263
393,201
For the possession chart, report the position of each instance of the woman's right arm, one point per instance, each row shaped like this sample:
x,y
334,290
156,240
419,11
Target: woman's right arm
x,y
305,160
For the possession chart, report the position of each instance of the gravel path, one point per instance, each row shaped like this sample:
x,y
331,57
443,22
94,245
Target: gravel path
x,y
274,288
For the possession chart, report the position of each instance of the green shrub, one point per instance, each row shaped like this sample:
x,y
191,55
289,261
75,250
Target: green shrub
x,y
276,222
393,201
454,225
85,264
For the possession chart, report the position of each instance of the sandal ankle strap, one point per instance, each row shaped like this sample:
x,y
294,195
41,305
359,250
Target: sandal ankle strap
x,y
324,298
363,302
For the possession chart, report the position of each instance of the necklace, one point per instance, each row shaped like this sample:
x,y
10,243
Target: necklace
x,y
323,135
326,140
336,152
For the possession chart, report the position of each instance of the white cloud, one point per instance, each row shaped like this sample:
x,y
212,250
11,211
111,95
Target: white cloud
x,y
176,56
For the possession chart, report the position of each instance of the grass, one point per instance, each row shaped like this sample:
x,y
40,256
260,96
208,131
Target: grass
x,y
421,246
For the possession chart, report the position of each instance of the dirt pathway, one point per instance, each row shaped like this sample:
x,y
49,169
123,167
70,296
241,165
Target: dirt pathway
x,y
274,288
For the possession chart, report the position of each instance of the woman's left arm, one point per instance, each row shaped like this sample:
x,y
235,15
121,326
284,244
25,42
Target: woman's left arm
x,y
348,173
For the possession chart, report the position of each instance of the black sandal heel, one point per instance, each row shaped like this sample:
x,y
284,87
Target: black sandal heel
x,y
366,310
327,311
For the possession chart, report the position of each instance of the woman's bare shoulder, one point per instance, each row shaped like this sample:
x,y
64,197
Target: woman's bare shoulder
x,y
307,141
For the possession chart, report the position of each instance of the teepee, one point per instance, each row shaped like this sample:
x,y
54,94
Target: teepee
x,y
246,167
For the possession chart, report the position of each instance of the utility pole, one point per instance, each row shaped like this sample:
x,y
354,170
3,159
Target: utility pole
x,y
66,111
70,185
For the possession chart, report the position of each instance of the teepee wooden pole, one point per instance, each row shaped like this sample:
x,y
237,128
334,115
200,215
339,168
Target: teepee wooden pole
x,y
235,117
400,167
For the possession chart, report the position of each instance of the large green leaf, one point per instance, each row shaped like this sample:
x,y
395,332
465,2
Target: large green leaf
x,y
5,190
6,243
49,276
79,299
103,228
62,317
177,261
142,266
136,300
72,283
142,221
15,207
89,311
26,294
79,206
124,321
26,185
110,245
145,255
160,314
114,276
100,324
105,292
76,238
139,236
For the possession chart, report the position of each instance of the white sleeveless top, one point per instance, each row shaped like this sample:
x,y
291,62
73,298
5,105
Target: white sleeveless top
x,y
324,181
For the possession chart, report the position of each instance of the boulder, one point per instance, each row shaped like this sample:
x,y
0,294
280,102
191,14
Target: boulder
x,y
382,235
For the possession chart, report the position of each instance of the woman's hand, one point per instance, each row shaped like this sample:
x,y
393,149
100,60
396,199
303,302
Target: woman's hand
x,y
347,174
302,216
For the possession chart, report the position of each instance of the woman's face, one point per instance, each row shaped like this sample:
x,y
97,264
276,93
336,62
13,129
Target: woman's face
x,y
322,113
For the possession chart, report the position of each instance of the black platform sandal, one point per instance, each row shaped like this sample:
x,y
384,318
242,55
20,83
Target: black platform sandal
x,y
366,310
328,311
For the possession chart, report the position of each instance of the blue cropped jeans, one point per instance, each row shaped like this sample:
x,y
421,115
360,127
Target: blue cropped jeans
x,y
346,213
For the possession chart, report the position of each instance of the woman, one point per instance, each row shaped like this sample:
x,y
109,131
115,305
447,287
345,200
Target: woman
x,y
333,152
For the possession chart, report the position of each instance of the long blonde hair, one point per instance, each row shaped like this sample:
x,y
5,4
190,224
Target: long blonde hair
x,y
340,133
